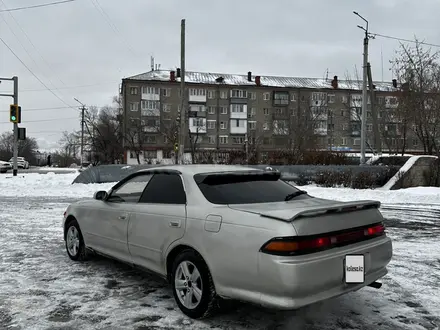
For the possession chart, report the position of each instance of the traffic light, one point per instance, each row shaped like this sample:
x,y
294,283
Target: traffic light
x,y
176,146
15,113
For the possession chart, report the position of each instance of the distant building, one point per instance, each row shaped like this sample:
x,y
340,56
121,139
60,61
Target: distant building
x,y
226,111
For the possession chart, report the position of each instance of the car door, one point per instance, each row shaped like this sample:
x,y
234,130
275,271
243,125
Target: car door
x,y
157,220
111,218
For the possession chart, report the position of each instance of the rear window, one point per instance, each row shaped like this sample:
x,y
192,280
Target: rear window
x,y
244,189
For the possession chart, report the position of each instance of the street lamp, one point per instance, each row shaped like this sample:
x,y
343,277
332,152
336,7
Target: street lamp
x,y
364,90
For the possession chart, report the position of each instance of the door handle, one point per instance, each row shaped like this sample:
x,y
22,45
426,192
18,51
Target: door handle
x,y
174,224
123,217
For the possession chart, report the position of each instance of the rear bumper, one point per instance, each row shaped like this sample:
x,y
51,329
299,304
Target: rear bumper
x,y
294,282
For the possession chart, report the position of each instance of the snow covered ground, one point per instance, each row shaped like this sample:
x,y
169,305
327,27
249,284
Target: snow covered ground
x,y
40,288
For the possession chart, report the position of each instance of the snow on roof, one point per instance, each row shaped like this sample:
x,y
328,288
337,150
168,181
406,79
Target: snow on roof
x,y
269,81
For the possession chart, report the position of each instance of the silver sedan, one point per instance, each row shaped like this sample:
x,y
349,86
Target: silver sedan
x,y
219,233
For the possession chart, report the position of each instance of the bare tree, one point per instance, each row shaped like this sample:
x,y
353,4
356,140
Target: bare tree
x,y
417,70
26,148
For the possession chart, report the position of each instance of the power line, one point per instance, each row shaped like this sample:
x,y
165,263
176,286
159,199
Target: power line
x,y
37,6
36,77
107,18
42,120
39,109
68,87
21,44
30,41
405,40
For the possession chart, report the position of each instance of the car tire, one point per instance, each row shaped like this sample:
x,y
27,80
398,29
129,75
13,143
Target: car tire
x,y
190,276
75,247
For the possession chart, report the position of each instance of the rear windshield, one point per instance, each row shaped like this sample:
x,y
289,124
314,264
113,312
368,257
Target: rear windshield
x,y
245,189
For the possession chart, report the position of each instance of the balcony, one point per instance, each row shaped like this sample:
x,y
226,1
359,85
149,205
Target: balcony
x,y
197,95
196,110
355,133
238,126
150,113
281,98
320,131
197,98
238,111
197,125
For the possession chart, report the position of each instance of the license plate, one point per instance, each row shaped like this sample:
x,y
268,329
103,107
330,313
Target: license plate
x,y
354,269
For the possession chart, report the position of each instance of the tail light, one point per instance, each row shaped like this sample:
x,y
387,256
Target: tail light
x,y
285,246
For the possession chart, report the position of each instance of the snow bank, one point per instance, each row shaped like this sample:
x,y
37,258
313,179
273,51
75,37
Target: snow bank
x,y
47,185
418,195
60,185
405,168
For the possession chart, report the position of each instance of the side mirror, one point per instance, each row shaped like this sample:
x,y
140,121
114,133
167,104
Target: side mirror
x,y
100,195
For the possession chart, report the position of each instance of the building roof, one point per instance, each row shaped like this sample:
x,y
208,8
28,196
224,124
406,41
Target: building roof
x,y
269,81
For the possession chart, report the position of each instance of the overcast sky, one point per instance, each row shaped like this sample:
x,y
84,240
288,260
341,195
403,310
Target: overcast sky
x,y
76,50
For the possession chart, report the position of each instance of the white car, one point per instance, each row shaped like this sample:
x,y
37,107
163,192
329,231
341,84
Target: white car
x,y
21,162
4,166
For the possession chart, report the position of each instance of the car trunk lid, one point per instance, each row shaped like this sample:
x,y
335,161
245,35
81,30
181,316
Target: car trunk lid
x,y
314,216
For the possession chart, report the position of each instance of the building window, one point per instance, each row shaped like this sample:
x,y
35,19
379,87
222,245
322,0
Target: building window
x,y
331,127
252,95
344,99
238,94
211,110
266,126
211,124
224,110
166,107
237,123
415,142
344,141
252,125
266,96
198,122
197,108
150,154
369,127
133,90
223,94
356,142
343,113
149,105
238,140
266,111
166,92
151,139
150,90
331,98
281,98
211,94
293,97
279,111
134,106
197,92
223,139
223,125
237,108
253,112
345,127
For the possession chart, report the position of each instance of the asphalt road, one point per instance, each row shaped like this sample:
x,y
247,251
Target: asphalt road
x,y
41,288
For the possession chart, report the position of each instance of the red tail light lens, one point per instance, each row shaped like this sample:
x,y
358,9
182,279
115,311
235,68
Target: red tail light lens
x,y
284,246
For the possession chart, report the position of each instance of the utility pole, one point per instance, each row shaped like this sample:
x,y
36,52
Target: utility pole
x,y
15,127
183,108
376,132
83,109
15,151
364,90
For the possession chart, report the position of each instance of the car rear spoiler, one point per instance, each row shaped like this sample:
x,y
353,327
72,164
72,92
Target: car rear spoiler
x,y
342,207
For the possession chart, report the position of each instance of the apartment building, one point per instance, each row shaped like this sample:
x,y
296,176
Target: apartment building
x,y
230,111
